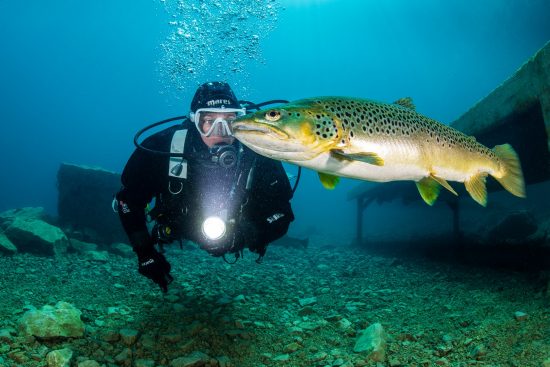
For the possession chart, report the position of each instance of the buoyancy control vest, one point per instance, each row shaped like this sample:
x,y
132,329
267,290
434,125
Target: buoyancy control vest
x,y
201,184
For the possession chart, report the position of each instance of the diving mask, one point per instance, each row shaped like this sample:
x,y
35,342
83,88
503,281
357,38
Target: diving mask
x,y
215,121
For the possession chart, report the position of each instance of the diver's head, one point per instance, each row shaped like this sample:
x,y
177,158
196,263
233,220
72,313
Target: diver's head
x,y
213,110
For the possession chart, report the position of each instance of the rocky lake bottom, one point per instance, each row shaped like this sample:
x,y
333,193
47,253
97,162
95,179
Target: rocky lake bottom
x,y
323,306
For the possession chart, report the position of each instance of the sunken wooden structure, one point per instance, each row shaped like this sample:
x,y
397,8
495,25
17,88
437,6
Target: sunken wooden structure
x,y
516,112
85,196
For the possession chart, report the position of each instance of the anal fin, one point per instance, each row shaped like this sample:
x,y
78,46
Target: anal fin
x,y
476,187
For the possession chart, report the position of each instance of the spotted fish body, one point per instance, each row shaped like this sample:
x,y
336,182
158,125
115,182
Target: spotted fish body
x,y
381,142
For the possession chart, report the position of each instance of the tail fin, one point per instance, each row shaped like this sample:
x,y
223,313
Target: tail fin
x,y
512,177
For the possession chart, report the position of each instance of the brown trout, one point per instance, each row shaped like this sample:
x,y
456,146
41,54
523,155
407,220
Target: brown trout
x,y
374,141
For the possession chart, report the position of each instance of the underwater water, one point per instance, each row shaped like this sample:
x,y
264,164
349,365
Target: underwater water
x,y
420,288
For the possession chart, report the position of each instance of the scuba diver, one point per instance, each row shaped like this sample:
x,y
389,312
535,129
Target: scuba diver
x,y
206,186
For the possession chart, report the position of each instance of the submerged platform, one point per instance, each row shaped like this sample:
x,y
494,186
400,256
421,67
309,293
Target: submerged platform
x,y
516,112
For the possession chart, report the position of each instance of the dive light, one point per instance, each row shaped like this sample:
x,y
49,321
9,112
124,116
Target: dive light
x,y
213,228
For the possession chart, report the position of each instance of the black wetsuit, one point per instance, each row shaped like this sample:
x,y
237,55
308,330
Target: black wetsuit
x,y
256,193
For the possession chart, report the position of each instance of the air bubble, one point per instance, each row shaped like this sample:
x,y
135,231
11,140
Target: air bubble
x,y
211,37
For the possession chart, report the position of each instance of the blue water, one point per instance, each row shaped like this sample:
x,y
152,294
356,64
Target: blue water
x,y
77,79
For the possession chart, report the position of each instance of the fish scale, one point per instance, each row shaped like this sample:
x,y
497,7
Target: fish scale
x,y
375,141
374,119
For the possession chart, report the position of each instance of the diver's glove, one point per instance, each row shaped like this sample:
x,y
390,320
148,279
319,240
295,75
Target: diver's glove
x,y
260,249
154,266
248,235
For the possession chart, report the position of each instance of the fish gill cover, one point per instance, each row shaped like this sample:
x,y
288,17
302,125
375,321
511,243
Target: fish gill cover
x,y
213,38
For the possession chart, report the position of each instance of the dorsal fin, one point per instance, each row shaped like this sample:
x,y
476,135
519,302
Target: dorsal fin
x,y
406,102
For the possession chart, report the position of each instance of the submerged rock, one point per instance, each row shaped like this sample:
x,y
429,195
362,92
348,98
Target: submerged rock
x,y
520,315
307,301
129,336
124,357
372,341
317,357
59,358
281,358
81,246
6,246
478,351
195,359
97,256
63,320
37,236
123,250
7,217
516,226
92,363
84,202
292,347
224,361
144,363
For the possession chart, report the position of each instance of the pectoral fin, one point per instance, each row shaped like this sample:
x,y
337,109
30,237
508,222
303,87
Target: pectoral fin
x,y
475,185
367,157
428,189
329,181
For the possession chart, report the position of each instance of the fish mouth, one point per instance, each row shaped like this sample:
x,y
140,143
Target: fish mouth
x,y
244,127
270,141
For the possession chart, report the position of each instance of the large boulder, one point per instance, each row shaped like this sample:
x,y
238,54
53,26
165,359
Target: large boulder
x,y
37,236
84,203
517,226
7,217
61,320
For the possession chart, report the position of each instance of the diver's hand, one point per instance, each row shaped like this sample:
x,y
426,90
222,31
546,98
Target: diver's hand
x,y
154,266
247,235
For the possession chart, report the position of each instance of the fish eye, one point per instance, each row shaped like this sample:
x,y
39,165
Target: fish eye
x,y
272,115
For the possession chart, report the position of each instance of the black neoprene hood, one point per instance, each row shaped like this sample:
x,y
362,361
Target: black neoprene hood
x,y
214,95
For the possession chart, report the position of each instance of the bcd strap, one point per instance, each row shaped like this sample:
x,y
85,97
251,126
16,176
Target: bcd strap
x,y
178,165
